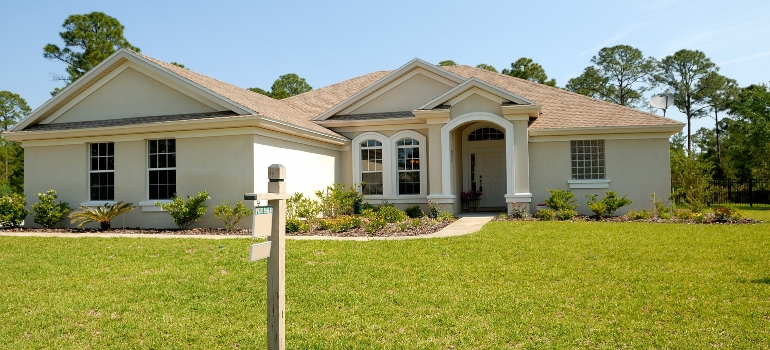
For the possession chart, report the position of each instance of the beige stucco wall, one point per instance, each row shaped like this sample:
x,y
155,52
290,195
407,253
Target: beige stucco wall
x,y
636,168
61,168
308,167
132,94
407,96
475,103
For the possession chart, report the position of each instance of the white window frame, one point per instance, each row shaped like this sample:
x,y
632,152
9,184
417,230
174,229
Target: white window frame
x,y
603,182
149,204
99,202
390,170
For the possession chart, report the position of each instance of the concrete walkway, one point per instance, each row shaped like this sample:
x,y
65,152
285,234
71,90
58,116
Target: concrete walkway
x,y
467,223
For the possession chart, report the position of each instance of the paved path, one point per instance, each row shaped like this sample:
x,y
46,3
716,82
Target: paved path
x,y
466,224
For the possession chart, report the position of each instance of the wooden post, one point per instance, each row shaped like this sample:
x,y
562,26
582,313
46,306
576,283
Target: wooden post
x,y
276,263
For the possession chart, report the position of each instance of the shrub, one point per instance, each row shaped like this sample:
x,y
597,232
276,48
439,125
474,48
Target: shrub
x,y
414,211
368,205
391,214
641,215
613,202
566,214
338,199
725,214
341,223
684,214
446,217
545,214
561,200
598,207
230,215
187,213
375,224
434,210
101,214
297,225
12,210
518,211
47,211
659,209
299,206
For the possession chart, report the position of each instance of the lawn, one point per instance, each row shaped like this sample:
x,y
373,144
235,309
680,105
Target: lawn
x,y
511,285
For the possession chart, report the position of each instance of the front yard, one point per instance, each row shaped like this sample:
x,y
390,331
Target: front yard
x,y
513,284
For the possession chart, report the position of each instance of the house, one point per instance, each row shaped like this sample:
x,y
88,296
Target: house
x,y
138,130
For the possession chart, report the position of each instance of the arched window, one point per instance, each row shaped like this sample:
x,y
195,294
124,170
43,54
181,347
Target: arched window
x,y
371,167
486,134
408,151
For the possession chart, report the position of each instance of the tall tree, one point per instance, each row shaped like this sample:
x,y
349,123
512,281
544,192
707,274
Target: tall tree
x,y
12,109
287,85
717,91
88,40
488,67
620,74
525,68
447,63
682,72
747,133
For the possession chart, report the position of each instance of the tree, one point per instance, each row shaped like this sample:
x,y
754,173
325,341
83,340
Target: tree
x,y
12,109
525,68
488,67
682,72
178,65
287,85
717,91
747,133
88,40
447,63
620,74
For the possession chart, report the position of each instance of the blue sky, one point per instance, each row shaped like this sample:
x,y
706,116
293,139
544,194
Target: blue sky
x,y
251,43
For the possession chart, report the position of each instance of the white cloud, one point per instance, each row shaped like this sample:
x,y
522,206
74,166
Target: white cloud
x,y
745,58
627,30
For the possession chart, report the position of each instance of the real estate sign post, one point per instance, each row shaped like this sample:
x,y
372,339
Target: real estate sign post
x,y
275,251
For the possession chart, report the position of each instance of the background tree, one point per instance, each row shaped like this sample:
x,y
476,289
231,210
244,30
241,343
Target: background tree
x,y
621,74
178,65
88,40
681,73
285,86
525,68
717,91
447,63
488,67
12,109
746,143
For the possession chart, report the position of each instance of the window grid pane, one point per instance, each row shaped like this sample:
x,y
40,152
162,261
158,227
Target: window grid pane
x,y
371,167
408,166
102,171
486,134
588,160
162,168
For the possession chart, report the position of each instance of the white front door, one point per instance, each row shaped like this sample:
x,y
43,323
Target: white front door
x,y
486,173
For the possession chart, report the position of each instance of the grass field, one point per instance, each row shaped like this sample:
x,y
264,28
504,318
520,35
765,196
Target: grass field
x,y
511,285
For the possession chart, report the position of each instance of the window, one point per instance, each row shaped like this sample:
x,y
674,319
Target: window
x,y
486,134
408,166
102,171
588,160
371,167
162,168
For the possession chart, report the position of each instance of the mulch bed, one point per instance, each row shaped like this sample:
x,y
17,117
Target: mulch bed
x,y
390,230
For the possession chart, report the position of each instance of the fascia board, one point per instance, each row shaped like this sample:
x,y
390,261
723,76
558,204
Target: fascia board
x,y
387,79
478,83
369,122
669,128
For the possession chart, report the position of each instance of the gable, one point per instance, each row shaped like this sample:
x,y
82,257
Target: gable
x,y
405,94
475,103
129,93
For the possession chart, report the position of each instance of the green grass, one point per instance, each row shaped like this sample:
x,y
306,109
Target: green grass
x,y
511,285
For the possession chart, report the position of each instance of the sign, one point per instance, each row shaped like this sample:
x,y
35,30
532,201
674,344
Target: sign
x,y
259,251
263,209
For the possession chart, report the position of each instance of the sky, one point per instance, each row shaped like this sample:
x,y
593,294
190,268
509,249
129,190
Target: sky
x,y
251,43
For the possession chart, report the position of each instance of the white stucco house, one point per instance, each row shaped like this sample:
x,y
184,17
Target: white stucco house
x,y
138,130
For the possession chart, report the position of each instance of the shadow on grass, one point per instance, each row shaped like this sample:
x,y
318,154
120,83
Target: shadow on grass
x,y
764,280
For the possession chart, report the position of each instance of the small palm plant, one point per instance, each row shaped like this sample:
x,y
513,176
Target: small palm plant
x,y
101,214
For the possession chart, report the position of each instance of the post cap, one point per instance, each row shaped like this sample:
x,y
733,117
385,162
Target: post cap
x,y
276,172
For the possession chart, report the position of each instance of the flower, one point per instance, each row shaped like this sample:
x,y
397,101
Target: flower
x,y
470,196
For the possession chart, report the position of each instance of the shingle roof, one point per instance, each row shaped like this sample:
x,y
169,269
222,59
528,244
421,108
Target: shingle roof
x,y
564,109
262,104
127,121
369,116
315,102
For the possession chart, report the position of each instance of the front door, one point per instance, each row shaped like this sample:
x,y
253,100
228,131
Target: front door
x,y
486,173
